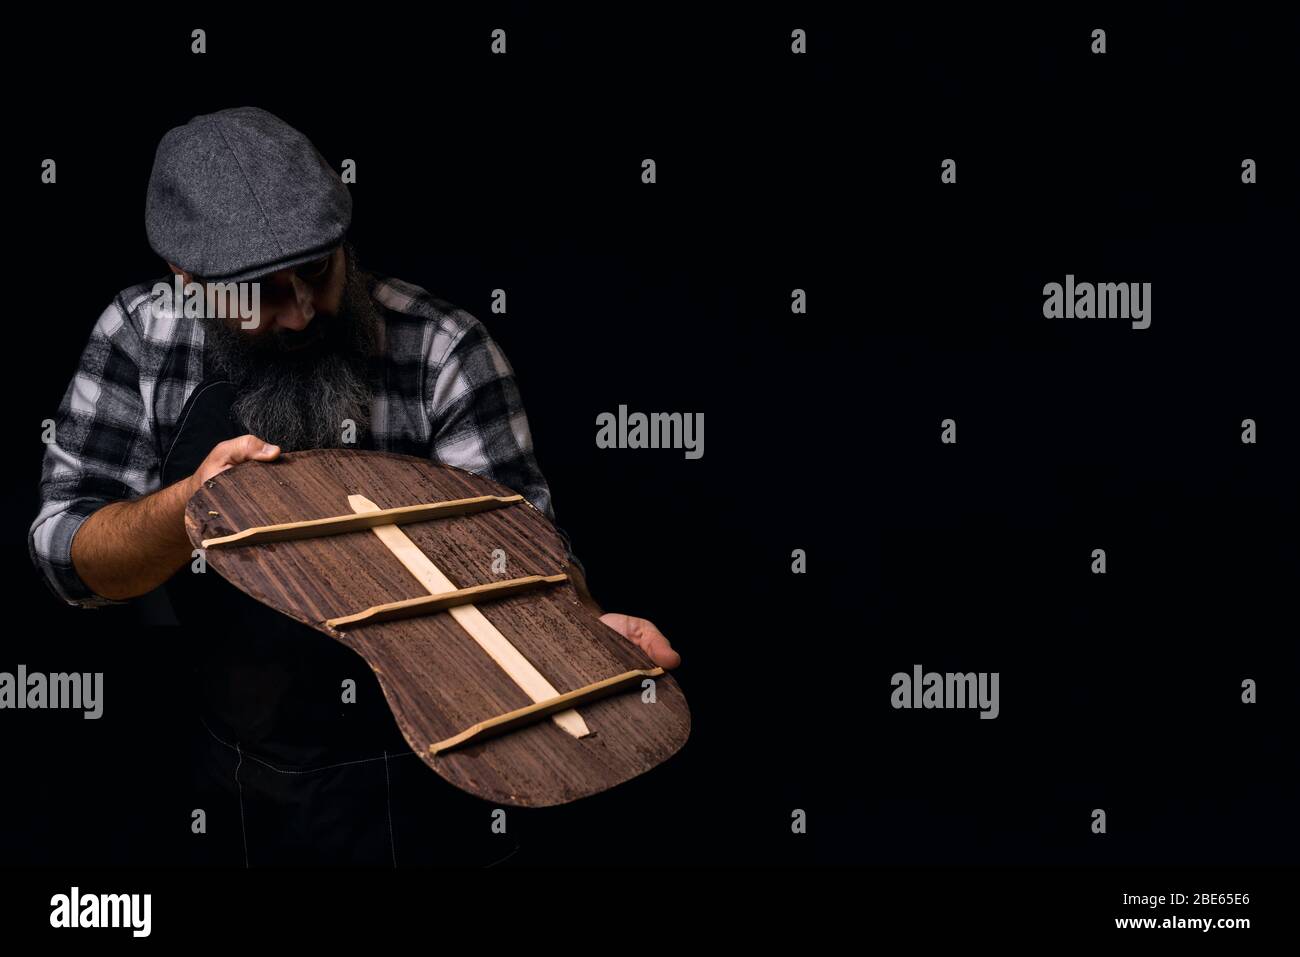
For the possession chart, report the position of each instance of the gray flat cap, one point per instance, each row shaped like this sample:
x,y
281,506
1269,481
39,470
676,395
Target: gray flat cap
x,y
240,193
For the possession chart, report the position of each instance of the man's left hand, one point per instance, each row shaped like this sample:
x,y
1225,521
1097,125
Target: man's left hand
x,y
645,636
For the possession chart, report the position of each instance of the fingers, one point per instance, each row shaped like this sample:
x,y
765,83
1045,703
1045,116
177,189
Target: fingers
x,y
646,636
654,644
243,449
246,448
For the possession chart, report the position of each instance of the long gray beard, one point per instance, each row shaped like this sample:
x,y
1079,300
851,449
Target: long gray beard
x,y
306,402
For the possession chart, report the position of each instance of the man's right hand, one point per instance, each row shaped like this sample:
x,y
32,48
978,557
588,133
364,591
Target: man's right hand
x,y
246,448
128,548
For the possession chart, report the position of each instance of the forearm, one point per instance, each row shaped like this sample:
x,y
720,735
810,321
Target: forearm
x,y
128,548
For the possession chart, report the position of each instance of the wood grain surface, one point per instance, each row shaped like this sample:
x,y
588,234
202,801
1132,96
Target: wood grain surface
x,y
437,680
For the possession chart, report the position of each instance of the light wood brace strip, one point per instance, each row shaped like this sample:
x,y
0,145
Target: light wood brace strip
x,y
473,621
540,709
338,524
428,604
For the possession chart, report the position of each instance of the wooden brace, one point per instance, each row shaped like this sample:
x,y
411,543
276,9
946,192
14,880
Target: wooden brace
x,y
540,709
468,617
339,524
428,604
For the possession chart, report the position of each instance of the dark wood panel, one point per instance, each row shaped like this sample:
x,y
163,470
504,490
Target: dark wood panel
x,y
436,678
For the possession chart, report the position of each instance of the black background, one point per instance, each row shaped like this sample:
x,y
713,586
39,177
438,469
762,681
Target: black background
x,y
822,430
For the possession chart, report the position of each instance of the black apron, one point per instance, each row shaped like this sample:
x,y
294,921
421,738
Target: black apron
x,y
298,776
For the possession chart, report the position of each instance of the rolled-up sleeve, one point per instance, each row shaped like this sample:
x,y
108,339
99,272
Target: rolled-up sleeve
x,y
479,422
100,450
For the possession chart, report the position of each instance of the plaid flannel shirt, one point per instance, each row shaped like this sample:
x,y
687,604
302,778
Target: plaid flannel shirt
x,y
444,390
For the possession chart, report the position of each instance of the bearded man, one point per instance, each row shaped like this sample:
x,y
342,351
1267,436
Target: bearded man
x,y
164,400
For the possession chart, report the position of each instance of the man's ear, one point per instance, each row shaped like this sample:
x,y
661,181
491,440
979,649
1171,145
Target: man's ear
x,y
186,278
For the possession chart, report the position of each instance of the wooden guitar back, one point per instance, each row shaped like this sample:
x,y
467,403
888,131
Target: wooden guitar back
x,y
437,679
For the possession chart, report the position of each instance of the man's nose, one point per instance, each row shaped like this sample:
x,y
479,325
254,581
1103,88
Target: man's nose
x,y
296,305
294,316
